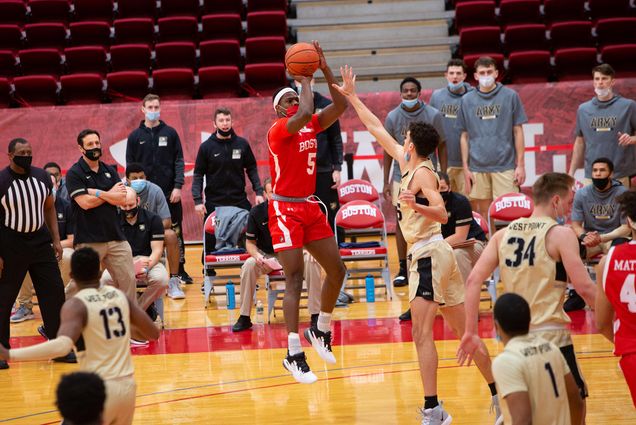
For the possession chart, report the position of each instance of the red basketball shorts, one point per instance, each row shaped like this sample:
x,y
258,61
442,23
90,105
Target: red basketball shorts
x,y
628,366
295,224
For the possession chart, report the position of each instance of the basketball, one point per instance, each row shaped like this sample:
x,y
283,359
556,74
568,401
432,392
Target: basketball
x,y
302,59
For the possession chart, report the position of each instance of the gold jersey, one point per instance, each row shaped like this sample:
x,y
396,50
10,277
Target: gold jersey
x,y
415,227
528,270
104,347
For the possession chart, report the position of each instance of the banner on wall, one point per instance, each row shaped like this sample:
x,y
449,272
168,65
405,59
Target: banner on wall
x,y
549,133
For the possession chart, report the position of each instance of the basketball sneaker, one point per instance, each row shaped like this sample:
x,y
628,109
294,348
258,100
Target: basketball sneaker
x,y
299,368
174,289
400,279
4,364
22,314
321,341
435,416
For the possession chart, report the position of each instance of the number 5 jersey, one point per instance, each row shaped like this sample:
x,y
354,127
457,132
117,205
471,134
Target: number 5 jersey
x,y
104,347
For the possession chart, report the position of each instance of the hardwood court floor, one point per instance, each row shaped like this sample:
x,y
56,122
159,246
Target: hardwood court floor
x,y
199,372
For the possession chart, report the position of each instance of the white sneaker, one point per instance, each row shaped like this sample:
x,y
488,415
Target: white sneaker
x,y
436,416
139,342
299,368
174,289
321,341
494,407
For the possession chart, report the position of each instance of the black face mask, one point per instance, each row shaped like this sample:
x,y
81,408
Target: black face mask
x,y
131,213
446,195
93,154
600,184
223,133
23,162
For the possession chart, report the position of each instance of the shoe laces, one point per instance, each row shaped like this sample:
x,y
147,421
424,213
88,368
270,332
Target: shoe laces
x,y
326,340
301,362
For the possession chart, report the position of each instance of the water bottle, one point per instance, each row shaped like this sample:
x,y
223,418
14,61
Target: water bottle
x,y
260,313
370,288
231,295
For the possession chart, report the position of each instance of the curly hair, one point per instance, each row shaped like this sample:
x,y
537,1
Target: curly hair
x,y
627,202
424,137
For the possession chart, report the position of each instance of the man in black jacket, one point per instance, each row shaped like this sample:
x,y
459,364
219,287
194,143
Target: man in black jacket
x,y
157,147
224,159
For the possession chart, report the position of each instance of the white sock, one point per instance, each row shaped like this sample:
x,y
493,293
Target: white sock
x,y
324,322
293,344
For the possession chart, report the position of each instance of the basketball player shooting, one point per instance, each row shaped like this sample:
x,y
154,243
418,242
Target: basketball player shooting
x,y
296,219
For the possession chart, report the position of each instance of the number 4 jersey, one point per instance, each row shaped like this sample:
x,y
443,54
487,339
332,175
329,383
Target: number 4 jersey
x,y
292,158
104,347
619,279
528,270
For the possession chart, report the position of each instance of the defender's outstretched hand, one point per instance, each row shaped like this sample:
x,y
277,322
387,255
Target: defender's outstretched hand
x,y
321,55
470,344
348,87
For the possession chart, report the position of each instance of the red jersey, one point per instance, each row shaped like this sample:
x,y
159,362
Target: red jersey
x,y
619,278
292,158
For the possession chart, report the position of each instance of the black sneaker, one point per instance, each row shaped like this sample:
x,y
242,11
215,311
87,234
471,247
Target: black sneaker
x,y
406,316
185,277
321,341
4,364
400,279
314,320
574,302
299,368
42,332
242,324
69,358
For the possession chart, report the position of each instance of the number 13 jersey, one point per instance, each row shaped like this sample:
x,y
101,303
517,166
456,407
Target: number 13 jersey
x,y
528,270
104,347
292,158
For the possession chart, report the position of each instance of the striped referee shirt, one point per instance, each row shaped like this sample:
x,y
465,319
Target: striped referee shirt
x,y
22,198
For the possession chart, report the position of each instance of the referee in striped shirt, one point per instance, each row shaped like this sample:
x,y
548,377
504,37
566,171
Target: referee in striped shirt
x,y
29,240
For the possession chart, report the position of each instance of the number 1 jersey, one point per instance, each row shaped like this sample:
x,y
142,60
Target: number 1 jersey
x,y
292,158
104,347
619,281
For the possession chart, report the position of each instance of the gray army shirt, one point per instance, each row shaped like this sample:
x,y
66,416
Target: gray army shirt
x,y
598,211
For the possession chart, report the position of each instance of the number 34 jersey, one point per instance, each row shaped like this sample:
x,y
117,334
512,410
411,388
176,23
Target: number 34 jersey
x,y
528,270
104,347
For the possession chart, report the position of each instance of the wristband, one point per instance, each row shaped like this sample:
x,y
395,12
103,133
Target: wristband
x,y
582,236
97,192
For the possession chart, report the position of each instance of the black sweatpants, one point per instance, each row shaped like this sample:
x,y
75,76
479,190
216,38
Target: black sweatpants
x,y
176,214
329,197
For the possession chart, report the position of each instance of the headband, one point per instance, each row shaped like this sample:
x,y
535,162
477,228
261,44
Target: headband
x,y
282,93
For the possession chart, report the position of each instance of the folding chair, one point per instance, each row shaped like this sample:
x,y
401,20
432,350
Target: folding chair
x,y
363,216
214,262
358,190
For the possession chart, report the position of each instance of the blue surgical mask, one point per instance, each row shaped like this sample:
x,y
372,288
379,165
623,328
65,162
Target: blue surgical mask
x,y
455,87
153,116
560,219
138,185
410,104
407,156
54,192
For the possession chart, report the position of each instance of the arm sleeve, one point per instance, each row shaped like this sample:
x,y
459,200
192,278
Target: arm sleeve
x,y
75,184
463,212
200,167
577,208
438,123
156,226
335,145
252,227
57,347
252,170
508,374
519,116
179,164
460,122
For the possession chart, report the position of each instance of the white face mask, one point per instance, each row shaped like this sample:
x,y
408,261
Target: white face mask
x,y
602,92
487,81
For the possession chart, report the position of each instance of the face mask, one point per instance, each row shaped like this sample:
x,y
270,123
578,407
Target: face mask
x,y
486,82
23,162
93,154
131,213
410,104
602,92
446,195
224,133
138,185
600,184
455,87
291,111
560,219
407,156
153,116
54,192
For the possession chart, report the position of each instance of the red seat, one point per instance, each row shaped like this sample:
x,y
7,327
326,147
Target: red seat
x,y
479,39
479,219
7,63
127,86
176,54
222,26
5,93
563,10
575,63
266,23
616,31
130,57
178,28
525,37
571,34
12,12
10,37
179,7
82,88
531,66
622,57
226,258
40,61
509,207
219,82
261,79
94,10
173,83
134,30
49,10
90,33
260,5
348,252
357,190
470,63
608,8
136,8
49,34
475,14
220,52
520,12
264,49
36,90
86,59
223,6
